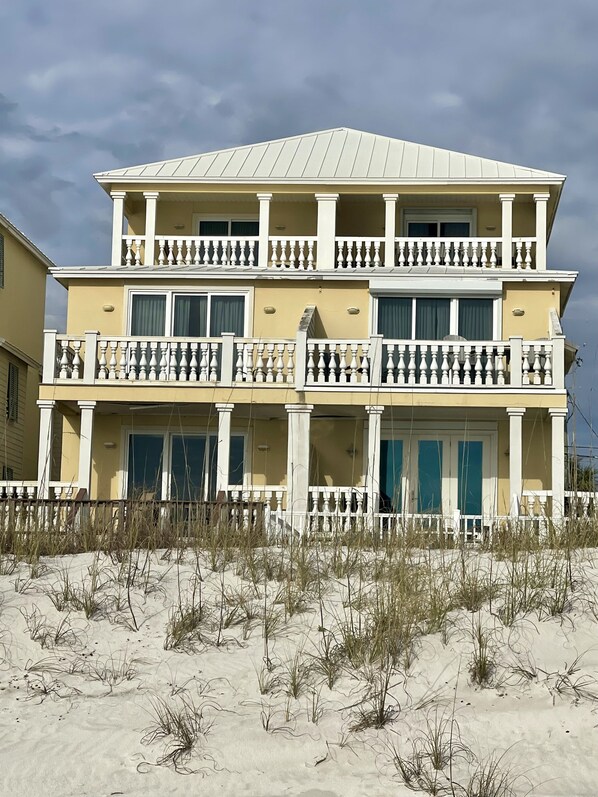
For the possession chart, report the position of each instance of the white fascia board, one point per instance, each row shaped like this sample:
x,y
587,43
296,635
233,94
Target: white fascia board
x,y
106,182
436,285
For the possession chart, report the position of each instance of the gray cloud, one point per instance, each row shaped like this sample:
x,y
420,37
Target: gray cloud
x,y
94,86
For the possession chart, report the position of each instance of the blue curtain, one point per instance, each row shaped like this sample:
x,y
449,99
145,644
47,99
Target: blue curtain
x,y
394,317
190,316
227,314
432,318
148,315
475,319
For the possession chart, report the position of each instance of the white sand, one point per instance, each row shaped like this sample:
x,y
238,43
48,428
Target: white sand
x,y
71,733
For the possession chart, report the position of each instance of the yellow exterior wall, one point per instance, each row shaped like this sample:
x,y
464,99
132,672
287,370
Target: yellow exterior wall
x,y
22,299
12,433
536,300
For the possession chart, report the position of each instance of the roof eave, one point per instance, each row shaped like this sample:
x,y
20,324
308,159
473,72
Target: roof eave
x,y
43,259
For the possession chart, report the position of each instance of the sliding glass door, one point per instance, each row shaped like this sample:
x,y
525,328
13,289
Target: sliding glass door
x,y
182,467
437,474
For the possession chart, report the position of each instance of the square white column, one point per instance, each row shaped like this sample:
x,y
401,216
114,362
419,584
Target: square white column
x,y
85,439
390,228
326,254
151,202
263,253
515,457
225,412
118,216
506,201
44,462
298,419
541,201
558,417
372,476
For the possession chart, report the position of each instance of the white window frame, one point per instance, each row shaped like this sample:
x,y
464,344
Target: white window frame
x,y
438,215
454,309
167,435
198,217
171,293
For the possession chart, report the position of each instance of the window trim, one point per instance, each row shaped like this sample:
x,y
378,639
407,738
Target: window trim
x,y
198,217
167,435
439,214
454,309
170,294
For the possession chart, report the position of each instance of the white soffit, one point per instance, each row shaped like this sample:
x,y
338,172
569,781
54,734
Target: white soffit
x,y
330,156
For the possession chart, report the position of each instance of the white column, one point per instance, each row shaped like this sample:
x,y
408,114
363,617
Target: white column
x,y
541,201
263,252
558,417
515,457
85,438
49,362
298,419
118,215
326,254
44,462
151,202
506,201
372,476
225,412
390,228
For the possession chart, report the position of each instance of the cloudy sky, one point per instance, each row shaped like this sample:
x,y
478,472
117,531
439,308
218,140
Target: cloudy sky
x,y
89,86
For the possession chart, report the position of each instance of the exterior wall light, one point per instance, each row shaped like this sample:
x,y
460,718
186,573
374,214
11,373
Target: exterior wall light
x,y
263,447
179,226
109,444
353,310
280,227
108,308
269,310
352,451
518,311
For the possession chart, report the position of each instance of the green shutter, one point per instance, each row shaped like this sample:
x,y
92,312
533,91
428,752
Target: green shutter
x,y
12,393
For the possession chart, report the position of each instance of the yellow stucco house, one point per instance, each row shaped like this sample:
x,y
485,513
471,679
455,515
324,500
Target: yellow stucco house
x,y
23,271
336,323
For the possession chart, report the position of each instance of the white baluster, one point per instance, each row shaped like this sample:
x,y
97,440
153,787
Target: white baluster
x,y
434,365
389,376
214,362
279,363
377,253
183,365
444,366
548,365
423,364
489,350
353,366
132,375
64,360
112,363
525,366
537,364
401,364
401,257
129,252
270,363
76,359
478,366
411,380
332,378
342,365
500,364
310,363
518,257
291,363
239,362
163,368
259,365
467,365
310,255
122,366
321,363
365,364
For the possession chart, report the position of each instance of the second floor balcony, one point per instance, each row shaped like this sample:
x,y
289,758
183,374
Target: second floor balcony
x,y
304,363
327,232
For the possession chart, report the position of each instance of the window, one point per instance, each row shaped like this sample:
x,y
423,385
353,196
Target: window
x,y
187,314
1,261
439,223
12,393
434,318
225,227
182,467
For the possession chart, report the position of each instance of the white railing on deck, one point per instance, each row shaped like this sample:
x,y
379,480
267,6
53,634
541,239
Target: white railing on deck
x,y
133,249
251,500
28,490
476,253
297,253
359,252
338,362
206,250
376,361
260,362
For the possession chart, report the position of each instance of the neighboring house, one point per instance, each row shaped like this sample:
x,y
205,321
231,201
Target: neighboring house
x,y
336,322
23,271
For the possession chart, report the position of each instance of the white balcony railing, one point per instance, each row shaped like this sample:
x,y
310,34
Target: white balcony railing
x,y
28,490
473,253
317,363
352,252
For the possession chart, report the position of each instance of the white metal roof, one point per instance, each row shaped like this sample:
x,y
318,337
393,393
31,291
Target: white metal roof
x,y
22,238
330,156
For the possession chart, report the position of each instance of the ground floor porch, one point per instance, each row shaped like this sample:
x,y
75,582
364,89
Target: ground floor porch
x,y
309,460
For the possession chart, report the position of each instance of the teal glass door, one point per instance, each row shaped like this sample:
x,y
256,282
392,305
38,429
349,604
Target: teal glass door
x,y
391,472
145,466
429,476
469,476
